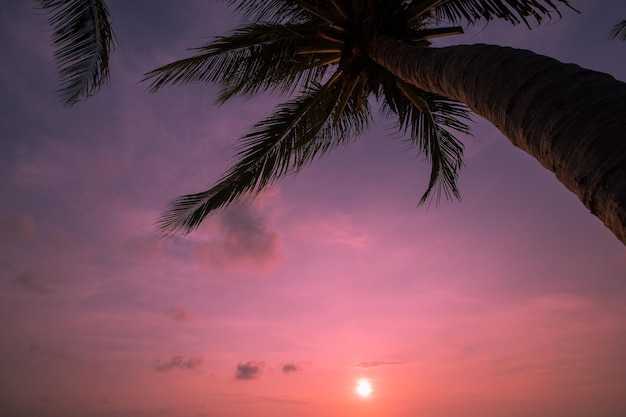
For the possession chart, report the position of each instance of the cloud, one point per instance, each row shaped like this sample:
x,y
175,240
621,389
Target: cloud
x,y
179,362
246,240
620,258
374,364
46,352
290,368
141,247
17,228
335,228
32,282
248,370
178,314
562,302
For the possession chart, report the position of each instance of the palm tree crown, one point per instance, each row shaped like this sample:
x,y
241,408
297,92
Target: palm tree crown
x,y
319,48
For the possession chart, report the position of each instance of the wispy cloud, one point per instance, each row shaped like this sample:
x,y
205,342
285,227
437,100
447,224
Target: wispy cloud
x,y
190,363
32,282
16,228
374,364
178,314
337,229
248,370
47,352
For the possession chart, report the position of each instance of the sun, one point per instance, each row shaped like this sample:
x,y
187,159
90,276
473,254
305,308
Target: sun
x,y
363,388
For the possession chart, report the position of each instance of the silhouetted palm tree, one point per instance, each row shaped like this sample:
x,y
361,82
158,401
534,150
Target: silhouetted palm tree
x,y
340,53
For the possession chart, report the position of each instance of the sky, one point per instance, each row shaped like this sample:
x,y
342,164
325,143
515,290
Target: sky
x,y
509,302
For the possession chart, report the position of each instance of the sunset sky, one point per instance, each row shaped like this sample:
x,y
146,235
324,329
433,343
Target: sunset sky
x,y
508,303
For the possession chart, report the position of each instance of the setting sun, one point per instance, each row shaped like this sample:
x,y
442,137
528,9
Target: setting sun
x,y
364,388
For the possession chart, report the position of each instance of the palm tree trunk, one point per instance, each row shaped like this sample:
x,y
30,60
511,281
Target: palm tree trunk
x,y
572,120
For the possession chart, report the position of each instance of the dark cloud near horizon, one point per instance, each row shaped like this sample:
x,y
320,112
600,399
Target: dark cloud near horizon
x,y
374,364
248,370
190,363
289,368
32,282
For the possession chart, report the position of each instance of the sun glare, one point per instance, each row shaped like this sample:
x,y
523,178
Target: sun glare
x,y
363,388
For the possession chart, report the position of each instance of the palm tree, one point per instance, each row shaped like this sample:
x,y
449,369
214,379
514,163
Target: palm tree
x,y
339,54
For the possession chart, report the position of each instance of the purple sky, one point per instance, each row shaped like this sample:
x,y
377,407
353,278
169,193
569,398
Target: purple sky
x,y
508,303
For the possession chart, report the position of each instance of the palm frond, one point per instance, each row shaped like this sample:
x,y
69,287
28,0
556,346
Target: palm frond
x,y
269,11
253,59
426,121
296,133
334,18
419,8
513,11
618,31
84,40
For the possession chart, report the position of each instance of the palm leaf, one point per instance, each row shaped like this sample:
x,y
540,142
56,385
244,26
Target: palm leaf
x,y
267,10
253,59
84,40
471,11
296,133
513,11
618,31
425,122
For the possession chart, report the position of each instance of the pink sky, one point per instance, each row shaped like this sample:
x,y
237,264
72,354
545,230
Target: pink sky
x,y
508,303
